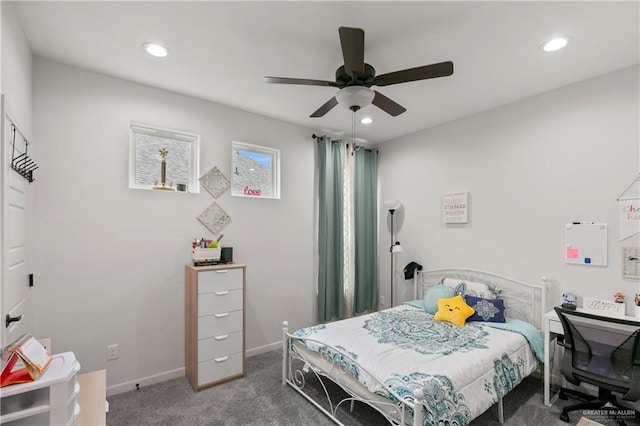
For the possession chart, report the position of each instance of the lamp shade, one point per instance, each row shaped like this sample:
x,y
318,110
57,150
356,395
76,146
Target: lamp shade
x,y
355,97
392,204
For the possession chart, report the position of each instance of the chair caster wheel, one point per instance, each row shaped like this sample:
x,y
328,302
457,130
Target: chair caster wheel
x,y
564,417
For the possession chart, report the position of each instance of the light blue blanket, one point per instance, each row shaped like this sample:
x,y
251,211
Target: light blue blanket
x,y
533,335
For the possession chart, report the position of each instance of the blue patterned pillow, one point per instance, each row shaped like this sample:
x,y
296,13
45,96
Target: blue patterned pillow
x,y
489,310
433,294
470,288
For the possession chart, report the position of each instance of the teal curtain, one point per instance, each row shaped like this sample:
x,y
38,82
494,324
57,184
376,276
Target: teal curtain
x,y
366,235
330,229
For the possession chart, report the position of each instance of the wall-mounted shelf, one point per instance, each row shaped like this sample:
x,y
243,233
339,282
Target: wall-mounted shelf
x,y
22,163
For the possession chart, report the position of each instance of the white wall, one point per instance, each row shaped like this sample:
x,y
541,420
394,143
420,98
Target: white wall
x,y
530,168
109,261
16,69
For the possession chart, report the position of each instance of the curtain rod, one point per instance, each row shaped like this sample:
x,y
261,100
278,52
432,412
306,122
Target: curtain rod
x,y
314,136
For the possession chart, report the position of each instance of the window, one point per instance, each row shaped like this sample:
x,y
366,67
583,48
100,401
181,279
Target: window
x,y
180,151
255,171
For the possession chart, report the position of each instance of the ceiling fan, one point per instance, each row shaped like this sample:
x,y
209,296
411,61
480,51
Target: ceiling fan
x,y
355,78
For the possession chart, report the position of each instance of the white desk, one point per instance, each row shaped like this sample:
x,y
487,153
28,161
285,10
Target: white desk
x,y
553,329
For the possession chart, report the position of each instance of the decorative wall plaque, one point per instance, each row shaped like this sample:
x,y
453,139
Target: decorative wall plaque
x,y
214,218
215,182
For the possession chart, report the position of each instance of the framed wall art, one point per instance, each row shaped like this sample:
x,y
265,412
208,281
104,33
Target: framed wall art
x,y
214,218
455,207
215,182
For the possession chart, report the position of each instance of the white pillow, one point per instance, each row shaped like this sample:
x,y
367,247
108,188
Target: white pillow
x,y
470,288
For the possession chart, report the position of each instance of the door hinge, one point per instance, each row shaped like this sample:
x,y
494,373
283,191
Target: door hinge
x,y
30,280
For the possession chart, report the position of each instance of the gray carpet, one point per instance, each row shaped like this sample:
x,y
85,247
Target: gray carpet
x,y
260,399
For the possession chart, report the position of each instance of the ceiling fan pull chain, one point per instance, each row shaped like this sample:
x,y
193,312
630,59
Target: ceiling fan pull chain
x,y
353,129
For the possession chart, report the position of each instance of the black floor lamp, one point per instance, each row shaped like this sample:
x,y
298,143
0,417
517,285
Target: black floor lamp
x,y
394,247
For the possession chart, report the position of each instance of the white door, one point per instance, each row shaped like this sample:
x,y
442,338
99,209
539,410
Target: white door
x,y
14,260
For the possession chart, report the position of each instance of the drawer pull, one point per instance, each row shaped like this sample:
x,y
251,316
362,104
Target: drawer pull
x,y
222,293
223,271
222,359
222,315
224,336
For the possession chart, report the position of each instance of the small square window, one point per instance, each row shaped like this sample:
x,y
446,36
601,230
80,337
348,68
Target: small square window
x,y
255,171
180,155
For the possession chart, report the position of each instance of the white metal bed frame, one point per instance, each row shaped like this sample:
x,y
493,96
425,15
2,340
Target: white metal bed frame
x,y
522,301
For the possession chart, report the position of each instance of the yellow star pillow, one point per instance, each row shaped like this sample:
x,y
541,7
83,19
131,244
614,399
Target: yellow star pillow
x,y
454,310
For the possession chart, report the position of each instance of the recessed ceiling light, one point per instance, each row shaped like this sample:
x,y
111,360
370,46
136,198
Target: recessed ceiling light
x,y
366,120
156,49
556,43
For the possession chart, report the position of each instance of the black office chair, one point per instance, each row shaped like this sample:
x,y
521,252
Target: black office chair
x,y
596,355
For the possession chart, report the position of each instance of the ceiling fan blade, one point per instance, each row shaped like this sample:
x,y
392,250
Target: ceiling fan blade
x,y
328,106
441,69
387,105
352,42
301,81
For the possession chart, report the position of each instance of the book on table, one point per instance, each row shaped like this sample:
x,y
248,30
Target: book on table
x,y
24,361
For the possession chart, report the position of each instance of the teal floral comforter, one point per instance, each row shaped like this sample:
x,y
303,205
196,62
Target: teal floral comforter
x,y
462,371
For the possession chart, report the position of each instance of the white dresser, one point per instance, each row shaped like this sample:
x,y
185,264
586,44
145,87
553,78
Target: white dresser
x,y
214,324
50,400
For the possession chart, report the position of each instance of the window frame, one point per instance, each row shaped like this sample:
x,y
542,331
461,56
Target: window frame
x,y
161,132
275,168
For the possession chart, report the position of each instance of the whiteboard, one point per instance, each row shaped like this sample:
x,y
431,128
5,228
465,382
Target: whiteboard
x,y
586,244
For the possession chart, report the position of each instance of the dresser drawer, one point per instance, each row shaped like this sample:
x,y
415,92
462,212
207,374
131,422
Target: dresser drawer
x,y
219,302
219,346
225,279
555,326
220,323
219,368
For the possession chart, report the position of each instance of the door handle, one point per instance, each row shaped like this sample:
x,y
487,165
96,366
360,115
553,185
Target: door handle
x,y
8,319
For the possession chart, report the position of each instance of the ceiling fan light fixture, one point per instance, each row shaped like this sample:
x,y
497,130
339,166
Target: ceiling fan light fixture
x,y
555,44
355,97
155,49
366,120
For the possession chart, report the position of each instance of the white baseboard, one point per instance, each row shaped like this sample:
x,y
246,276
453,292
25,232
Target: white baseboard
x,y
145,381
178,372
262,349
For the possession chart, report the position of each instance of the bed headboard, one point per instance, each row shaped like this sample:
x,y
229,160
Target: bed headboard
x,y
522,300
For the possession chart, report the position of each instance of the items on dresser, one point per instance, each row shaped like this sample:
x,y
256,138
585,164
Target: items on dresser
x,y
214,324
49,400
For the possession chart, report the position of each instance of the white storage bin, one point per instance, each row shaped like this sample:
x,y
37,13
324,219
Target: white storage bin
x,y
50,400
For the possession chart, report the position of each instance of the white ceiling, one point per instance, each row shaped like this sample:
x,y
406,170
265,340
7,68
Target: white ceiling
x,y
220,51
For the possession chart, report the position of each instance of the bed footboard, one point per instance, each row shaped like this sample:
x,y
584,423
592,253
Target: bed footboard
x,y
297,366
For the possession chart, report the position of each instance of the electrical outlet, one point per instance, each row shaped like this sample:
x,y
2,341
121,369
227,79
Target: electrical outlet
x,y
112,352
381,300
